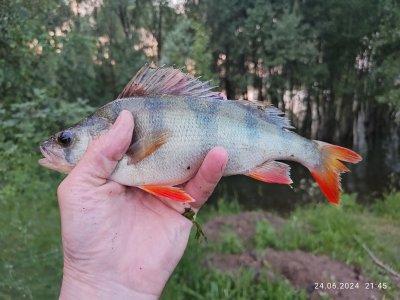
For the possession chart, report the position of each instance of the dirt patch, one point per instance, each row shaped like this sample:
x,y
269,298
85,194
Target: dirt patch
x,y
316,274
304,271
244,224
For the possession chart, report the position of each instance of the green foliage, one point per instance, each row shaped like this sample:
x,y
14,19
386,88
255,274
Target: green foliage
x,y
177,48
224,206
30,254
265,236
389,208
280,37
195,280
27,59
319,229
27,123
188,45
76,59
201,52
385,43
325,229
214,284
29,224
231,243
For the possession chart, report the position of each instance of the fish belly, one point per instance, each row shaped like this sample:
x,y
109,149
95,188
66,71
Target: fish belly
x,y
179,159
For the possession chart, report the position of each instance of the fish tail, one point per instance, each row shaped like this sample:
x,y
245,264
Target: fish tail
x,y
327,172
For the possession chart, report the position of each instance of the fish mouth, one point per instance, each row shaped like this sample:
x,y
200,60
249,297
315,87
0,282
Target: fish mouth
x,y
48,154
53,161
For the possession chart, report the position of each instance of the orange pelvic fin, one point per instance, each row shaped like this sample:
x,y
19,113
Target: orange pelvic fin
x,y
327,173
168,192
272,172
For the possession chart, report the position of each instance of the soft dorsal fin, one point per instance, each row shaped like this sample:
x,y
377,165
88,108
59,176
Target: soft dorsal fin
x,y
269,112
275,116
153,80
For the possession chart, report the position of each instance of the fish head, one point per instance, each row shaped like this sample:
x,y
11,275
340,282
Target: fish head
x,y
63,150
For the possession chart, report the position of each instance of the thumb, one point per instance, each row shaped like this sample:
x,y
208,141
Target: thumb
x,y
103,154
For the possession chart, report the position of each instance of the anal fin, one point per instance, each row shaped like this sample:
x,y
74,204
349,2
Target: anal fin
x,y
169,192
146,146
271,172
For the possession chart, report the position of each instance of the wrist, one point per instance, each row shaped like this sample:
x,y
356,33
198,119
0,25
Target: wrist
x,y
87,286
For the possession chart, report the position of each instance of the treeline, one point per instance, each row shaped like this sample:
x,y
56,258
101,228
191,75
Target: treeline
x,y
332,65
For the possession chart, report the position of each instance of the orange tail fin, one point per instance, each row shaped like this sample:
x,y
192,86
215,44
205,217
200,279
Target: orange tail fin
x,y
327,173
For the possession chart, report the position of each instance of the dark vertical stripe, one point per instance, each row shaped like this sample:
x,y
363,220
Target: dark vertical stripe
x,y
251,124
116,109
156,108
205,113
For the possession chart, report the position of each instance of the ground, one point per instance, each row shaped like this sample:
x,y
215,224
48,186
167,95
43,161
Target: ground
x,y
304,270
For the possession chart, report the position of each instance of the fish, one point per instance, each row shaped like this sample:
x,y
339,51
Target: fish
x,y
179,119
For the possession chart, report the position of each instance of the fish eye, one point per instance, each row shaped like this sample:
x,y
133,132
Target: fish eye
x,y
65,138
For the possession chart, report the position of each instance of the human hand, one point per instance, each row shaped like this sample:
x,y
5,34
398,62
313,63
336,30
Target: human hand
x,y
120,242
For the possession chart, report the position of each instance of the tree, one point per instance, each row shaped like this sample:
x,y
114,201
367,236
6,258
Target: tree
x,y
188,44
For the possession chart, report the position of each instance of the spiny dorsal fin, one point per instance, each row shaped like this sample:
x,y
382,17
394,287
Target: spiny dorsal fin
x,y
270,113
153,80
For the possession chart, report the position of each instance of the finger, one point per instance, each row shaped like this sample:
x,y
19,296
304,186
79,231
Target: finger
x,y
201,186
103,154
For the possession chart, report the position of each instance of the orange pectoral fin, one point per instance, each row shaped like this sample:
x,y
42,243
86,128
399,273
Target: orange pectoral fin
x,y
146,146
272,172
168,192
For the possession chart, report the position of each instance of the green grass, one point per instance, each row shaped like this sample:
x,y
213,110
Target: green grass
x,y
266,235
327,229
30,245
330,230
230,244
193,280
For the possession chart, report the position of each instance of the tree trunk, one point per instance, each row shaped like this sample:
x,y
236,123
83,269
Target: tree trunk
x,y
229,86
392,142
360,143
315,117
